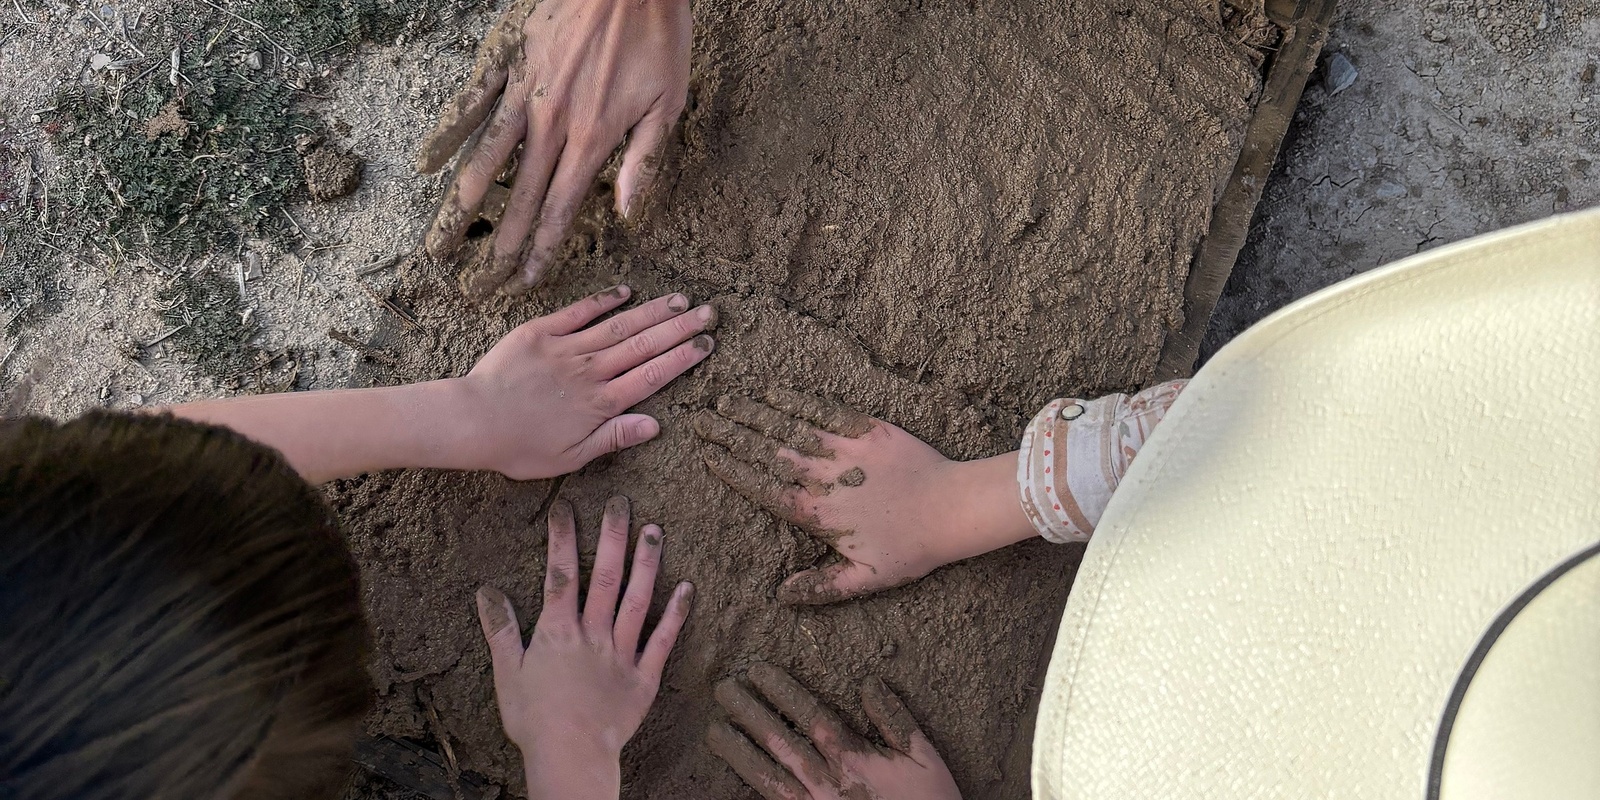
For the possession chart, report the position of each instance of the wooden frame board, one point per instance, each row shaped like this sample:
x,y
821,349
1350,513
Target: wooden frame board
x,y
1304,25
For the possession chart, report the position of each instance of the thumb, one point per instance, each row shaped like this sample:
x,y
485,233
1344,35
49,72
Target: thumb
x,y
617,433
830,584
641,161
500,630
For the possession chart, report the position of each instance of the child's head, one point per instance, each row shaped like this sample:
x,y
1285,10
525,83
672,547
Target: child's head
x,y
179,617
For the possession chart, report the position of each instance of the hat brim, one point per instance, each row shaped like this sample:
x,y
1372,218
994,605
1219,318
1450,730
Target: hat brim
x,y
1298,565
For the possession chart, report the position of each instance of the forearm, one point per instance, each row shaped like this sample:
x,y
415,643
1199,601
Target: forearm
x,y
343,433
981,508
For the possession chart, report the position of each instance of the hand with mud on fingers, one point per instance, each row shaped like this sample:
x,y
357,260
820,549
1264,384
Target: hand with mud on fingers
x,y
892,506
567,81
578,691
550,396
821,758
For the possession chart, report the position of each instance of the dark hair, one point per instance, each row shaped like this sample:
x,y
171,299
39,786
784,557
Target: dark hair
x,y
179,617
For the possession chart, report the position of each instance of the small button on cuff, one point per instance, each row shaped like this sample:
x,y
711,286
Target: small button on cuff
x,y
1072,411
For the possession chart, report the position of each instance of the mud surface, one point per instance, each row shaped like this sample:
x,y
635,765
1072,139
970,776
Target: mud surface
x,y
943,216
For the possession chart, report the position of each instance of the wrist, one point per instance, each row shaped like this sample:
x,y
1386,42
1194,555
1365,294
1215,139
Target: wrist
x,y
979,507
574,767
447,424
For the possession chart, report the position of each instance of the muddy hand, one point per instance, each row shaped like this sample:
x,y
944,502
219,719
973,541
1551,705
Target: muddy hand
x,y
873,492
819,757
566,81
574,695
551,396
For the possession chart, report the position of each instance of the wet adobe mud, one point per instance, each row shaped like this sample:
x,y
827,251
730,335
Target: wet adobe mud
x,y
939,213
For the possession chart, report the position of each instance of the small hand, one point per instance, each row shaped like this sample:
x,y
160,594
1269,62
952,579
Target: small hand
x,y
572,78
581,687
836,764
876,494
550,396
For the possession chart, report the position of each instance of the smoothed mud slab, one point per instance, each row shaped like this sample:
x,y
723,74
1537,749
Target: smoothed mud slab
x,y
941,215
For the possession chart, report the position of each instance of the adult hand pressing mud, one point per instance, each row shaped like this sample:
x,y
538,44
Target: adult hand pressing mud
x,y
578,691
566,80
837,763
892,506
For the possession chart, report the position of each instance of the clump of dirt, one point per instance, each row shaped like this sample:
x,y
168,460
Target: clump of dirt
x,y
331,172
940,215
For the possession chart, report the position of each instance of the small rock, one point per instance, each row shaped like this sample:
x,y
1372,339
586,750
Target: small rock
x,y
331,172
252,265
889,650
99,61
1391,191
1339,74
136,399
253,59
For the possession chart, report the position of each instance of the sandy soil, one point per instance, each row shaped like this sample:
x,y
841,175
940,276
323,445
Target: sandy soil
x,y
1467,116
863,239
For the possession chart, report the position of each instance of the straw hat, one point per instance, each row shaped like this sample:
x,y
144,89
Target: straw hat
x,y
1357,558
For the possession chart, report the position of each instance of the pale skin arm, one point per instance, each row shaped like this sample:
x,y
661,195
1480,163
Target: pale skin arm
x,y
894,508
547,399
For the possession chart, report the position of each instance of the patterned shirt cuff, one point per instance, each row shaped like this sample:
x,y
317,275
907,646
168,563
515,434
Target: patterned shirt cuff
x,y
1074,453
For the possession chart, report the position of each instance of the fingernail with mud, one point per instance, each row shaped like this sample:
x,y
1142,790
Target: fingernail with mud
x,y
492,604
516,284
620,291
704,343
678,303
618,506
708,314
561,510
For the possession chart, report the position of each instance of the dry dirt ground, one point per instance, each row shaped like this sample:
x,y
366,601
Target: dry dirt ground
x,y
1466,116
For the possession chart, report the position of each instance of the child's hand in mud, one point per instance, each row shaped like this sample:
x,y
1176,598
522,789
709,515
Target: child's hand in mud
x,y
550,396
836,764
581,687
892,506
566,80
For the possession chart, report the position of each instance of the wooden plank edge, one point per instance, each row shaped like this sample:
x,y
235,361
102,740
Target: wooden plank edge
x,y
1305,25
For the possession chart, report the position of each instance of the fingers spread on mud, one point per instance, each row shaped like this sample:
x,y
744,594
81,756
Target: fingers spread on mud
x,y
889,714
757,485
471,105
466,112
774,423
808,713
753,448
831,417
763,775
770,731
